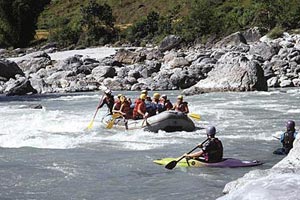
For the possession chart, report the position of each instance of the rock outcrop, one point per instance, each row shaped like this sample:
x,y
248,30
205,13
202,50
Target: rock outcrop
x,y
268,184
9,69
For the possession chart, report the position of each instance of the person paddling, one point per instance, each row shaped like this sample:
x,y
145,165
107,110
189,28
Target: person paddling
x,y
211,151
139,111
108,100
287,138
165,103
117,104
125,108
181,106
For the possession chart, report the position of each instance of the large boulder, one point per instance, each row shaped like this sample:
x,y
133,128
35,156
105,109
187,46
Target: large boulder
x,y
129,57
231,40
20,86
244,75
170,42
252,34
104,71
34,62
264,50
9,69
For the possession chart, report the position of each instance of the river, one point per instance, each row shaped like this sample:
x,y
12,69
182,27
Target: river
x,y
47,154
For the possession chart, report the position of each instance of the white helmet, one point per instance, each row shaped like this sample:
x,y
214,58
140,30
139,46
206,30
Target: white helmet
x,y
108,91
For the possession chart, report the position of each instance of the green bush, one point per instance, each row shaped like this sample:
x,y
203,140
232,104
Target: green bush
x,y
276,32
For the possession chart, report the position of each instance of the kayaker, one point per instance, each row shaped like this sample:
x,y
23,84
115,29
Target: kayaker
x,y
165,103
211,151
287,138
180,105
108,100
139,111
117,105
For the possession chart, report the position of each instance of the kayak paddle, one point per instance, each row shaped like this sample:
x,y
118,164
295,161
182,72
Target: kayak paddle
x,y
90,126
112,121
276,137
195,116
173,163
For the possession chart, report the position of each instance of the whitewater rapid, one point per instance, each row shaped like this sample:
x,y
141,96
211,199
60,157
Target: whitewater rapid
x,y
51,146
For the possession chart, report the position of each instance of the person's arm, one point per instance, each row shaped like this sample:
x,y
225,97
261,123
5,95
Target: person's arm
x,y
197,154
140,112
115,110
102,103
282,137
121,109
187,109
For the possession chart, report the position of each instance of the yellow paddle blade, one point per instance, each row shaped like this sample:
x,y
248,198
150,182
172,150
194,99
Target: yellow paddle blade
x,y
194,116
116,115
110,124
90,126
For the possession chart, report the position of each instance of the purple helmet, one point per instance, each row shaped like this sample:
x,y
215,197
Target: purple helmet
x,y
290,125
211,130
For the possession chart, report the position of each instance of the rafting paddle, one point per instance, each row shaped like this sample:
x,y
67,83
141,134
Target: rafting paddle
x,y
112,121
90,126
173,163
195,116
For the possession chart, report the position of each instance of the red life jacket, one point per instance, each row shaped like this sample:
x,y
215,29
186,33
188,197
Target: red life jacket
x,y
117,105
126,109
139,105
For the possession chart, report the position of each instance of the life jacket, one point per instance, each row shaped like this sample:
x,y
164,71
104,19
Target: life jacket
x,y
213,150
182,107
117,105
168,105
126,109
288,140
139,105
109,101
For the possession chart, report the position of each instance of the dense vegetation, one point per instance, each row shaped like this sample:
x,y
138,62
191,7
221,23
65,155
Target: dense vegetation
x,y
18,20
97,22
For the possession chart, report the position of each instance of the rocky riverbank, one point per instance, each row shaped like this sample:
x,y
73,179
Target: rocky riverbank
x,y
280,182
243,61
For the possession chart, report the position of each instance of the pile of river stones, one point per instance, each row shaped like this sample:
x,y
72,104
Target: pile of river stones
x,y
243,61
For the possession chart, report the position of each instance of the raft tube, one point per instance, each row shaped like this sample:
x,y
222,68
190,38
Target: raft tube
x,y
169,121
226,162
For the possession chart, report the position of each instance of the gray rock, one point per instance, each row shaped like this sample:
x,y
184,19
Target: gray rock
x,y
286,83
296,59
169,42
252,34
104,71
129,57
296,82
114,83
231,40
273,82
264,50
178,62
244,75
170,56
9,69
20,86
50,45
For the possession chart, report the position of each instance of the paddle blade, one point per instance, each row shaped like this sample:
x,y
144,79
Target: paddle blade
x,y
110,124
90,126
195,116
171,164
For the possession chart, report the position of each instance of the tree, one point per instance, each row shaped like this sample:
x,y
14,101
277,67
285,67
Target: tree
x,y
97,22
18,20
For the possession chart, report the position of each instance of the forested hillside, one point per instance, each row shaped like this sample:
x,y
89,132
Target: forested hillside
x,y
98,22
